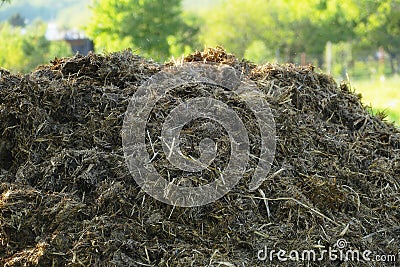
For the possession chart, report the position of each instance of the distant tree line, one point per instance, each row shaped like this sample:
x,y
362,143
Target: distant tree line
x,y
257,29
287,27
156,29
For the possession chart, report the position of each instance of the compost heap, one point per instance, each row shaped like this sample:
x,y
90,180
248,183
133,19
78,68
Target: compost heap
x,y
67,197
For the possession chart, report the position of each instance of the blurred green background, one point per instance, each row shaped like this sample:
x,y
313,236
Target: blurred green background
x,y
355,40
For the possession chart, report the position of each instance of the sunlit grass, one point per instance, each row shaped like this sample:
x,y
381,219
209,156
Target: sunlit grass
x,y
382,94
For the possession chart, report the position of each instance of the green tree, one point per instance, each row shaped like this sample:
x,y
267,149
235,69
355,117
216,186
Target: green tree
x,y
288,26
17,20
152,27
11,56
236,24
325,21
258,52
381,27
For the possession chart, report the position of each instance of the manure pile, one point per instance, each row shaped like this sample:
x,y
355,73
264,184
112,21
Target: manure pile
x,y
68,198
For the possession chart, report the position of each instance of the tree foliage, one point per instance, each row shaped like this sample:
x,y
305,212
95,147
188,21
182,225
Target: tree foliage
x,y
381,28
16,20
287,26
259,30
284,29
152,27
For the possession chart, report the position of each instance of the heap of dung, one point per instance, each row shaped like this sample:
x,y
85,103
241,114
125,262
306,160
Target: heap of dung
x,y
67,197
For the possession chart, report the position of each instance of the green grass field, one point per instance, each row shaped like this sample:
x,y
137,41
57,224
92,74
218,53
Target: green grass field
x,y
382,94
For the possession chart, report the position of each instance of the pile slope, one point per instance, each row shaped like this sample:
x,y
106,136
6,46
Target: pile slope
x,y
67,197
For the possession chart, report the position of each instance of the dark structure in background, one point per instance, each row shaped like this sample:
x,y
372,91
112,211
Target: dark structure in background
x,y
81,45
